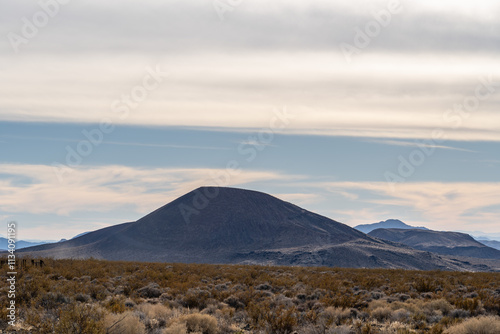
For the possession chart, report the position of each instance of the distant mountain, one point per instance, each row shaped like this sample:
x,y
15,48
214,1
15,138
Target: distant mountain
x,y
4,242
229,225
29,243
79,235
38,241
490,243
482,235
390,223
446,243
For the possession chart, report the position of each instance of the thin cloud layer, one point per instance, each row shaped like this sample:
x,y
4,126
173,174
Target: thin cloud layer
x,y
192,26
36,188
376,98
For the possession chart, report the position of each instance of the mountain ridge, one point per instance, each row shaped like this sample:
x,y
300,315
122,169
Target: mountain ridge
x,y
231,225
4,242
389,223
490,243
445,243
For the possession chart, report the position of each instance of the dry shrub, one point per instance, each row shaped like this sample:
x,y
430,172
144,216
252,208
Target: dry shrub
x,y
197,322
115,304
481,325
380,303
339,330
81,319
412,306
400,315
176,328
277,320
97,291
308,329
459,314
45,321
195,298
282,319
124,323
234,302
395,328
473,305
82,298
335,315
155,311
227,325
440,305
424,285
150,291
52,300
382,313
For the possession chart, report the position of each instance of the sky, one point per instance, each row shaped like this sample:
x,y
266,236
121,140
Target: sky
x,y
358,110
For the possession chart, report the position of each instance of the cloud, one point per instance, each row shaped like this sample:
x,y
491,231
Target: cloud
x,y
108,188
190,26
418,144
230,74
446,206
191,147
382,97
298,198
346,194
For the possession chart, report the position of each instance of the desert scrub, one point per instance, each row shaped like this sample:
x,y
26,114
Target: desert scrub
x,y
249,299
481,325
81,319
335,316
195,323
381,313
124,323
176,328
115,304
